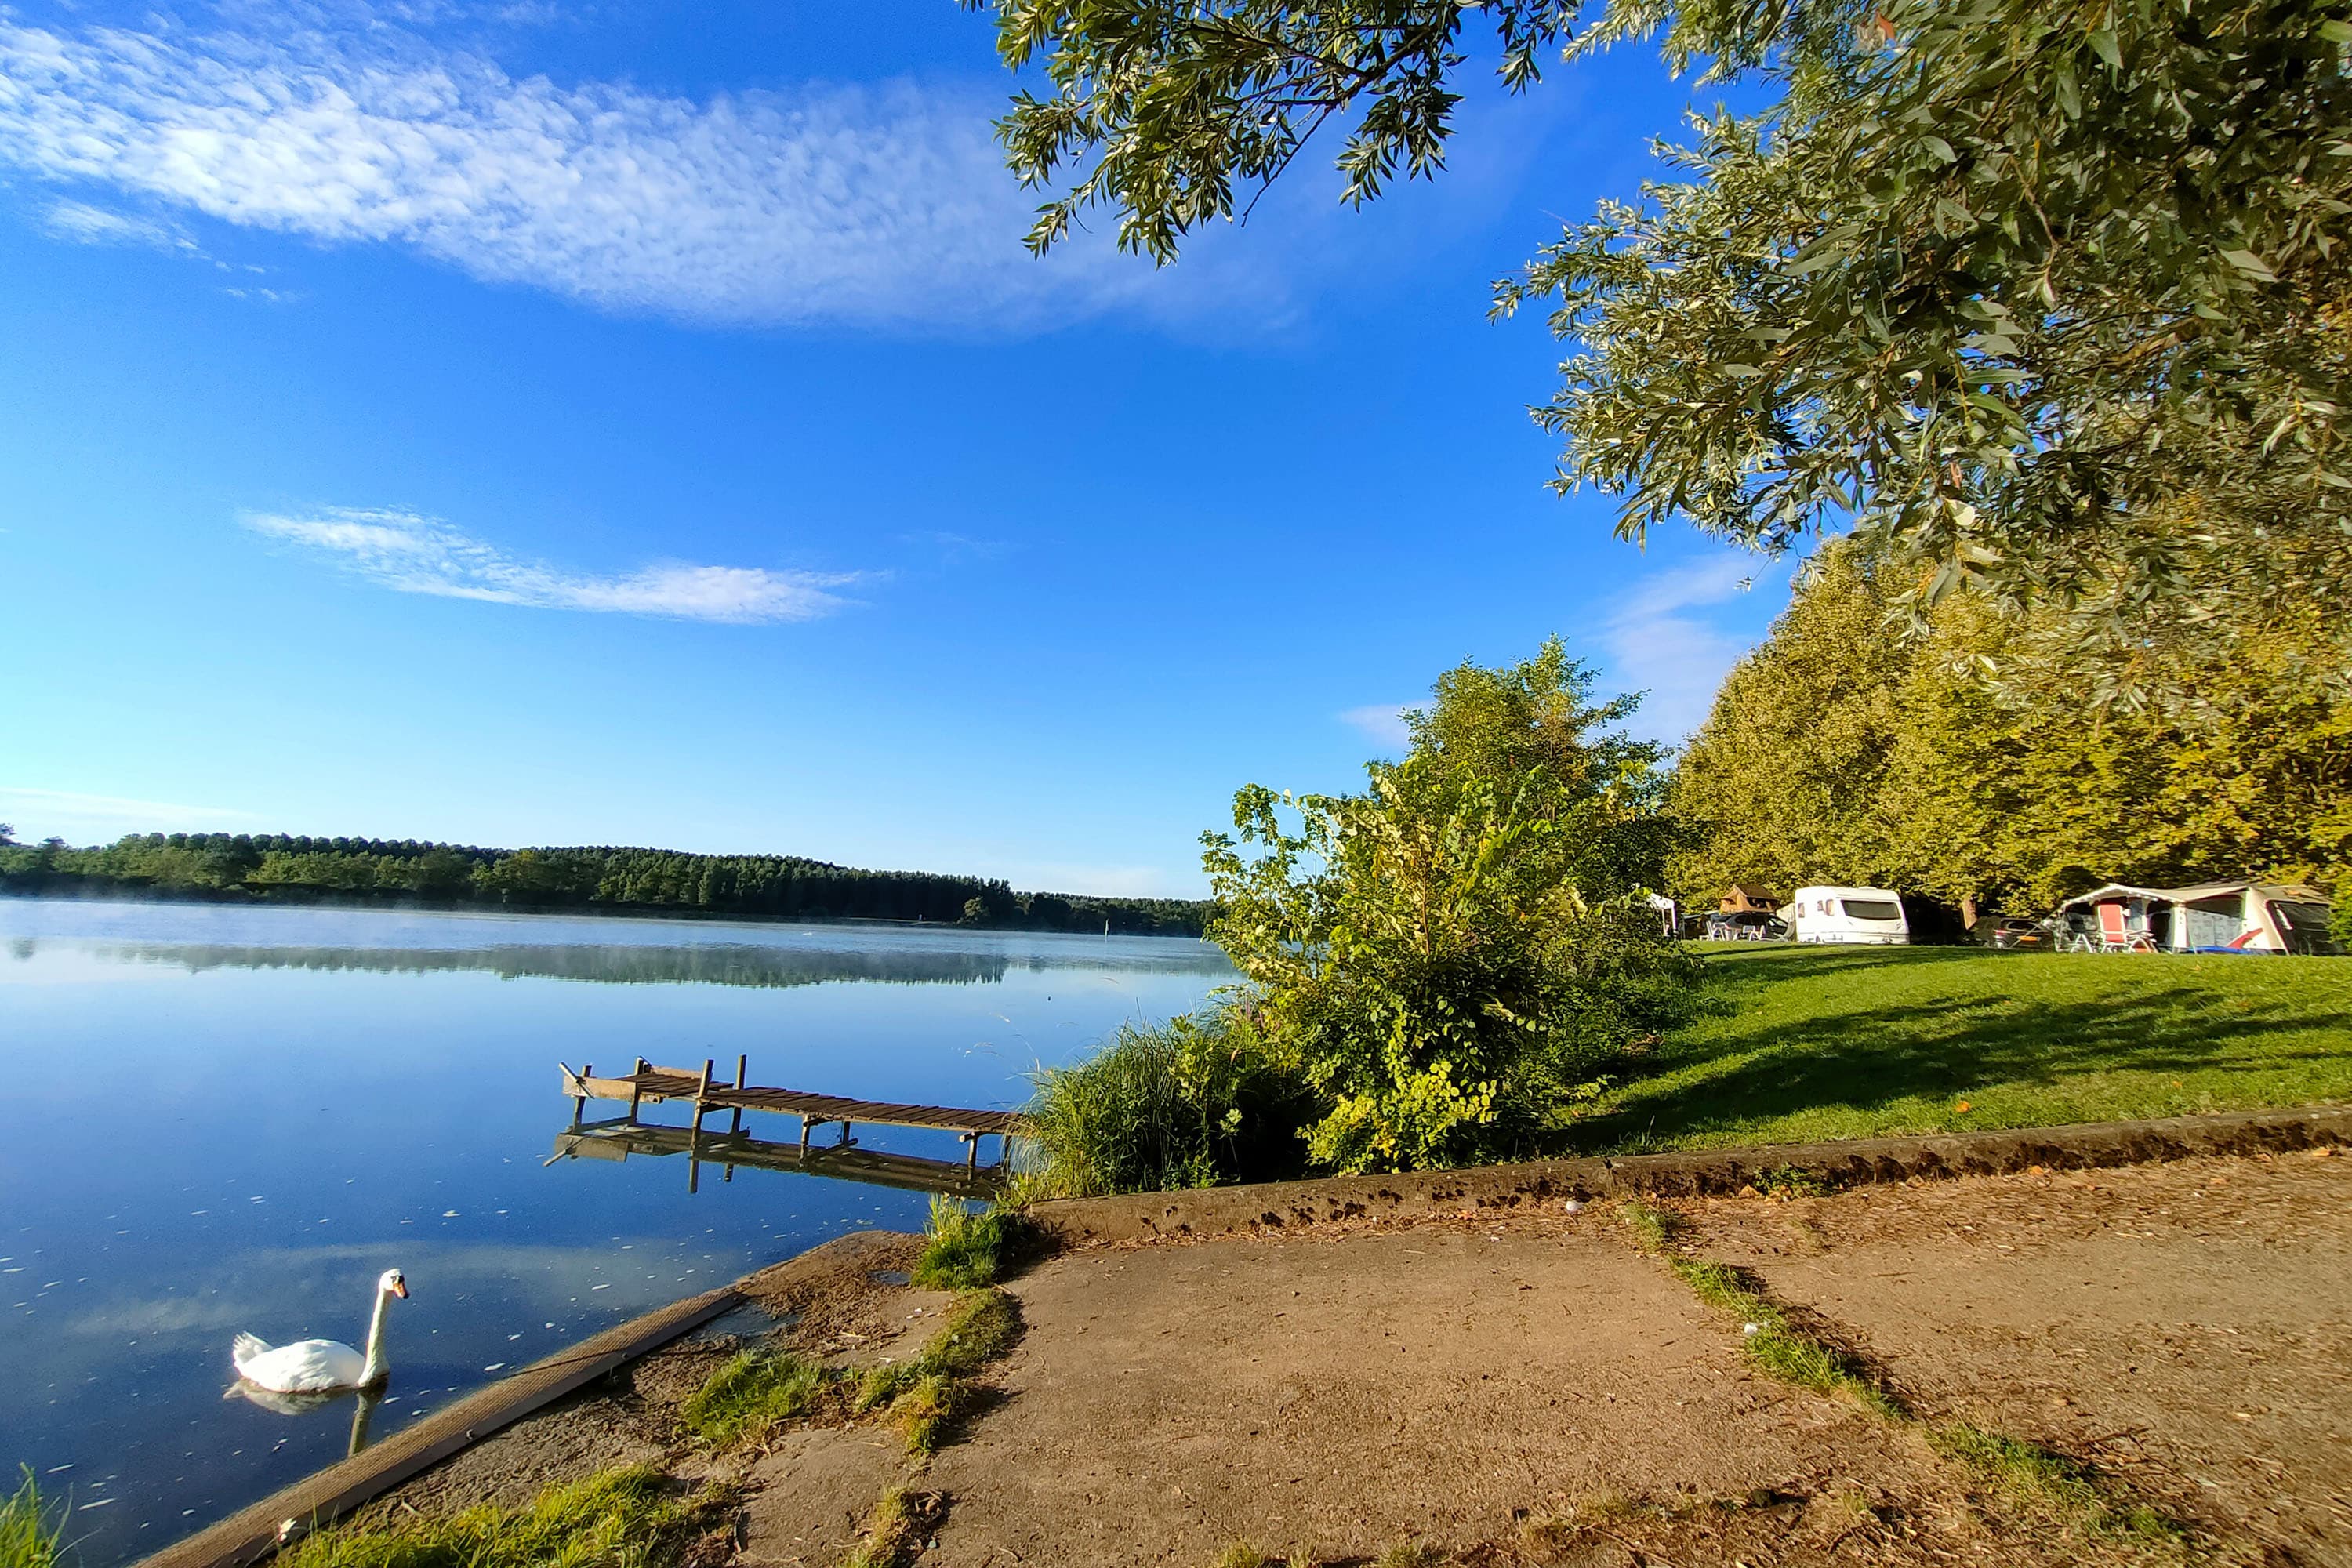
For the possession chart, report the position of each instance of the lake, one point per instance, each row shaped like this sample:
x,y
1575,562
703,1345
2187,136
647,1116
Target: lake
x,y
233,1119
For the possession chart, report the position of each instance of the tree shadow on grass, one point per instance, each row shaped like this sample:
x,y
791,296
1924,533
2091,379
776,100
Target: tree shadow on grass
x,y
1943,1050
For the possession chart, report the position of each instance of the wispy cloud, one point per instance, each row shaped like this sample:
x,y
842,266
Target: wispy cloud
x,y
419,554
882,203
105,808
1656,646
1381,722
86,225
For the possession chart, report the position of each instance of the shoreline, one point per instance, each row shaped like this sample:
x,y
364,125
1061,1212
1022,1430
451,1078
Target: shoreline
x,y
846,1269
657,913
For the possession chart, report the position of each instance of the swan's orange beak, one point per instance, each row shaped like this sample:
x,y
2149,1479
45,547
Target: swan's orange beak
x,y
401,1292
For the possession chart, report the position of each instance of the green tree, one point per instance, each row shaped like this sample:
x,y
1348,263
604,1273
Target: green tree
x,y
1847,750
1455,957
2051,298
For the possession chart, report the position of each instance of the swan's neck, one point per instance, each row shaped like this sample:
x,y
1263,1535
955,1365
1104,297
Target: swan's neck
x,y
375,1368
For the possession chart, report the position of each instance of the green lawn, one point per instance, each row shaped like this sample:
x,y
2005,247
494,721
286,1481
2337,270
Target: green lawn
x,y
1807,1042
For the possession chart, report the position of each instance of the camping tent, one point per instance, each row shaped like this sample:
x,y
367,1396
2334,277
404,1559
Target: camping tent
x,y
2210,917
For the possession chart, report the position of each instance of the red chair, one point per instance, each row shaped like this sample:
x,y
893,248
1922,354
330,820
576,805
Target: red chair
x,y
2116,935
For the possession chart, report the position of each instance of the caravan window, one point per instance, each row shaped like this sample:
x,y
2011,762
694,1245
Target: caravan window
x,y
1871,910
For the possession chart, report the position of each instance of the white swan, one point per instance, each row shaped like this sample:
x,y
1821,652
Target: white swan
x,y
314,1366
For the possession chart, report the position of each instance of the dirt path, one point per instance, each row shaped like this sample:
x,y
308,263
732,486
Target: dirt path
x,y
2186,1328
1540,1390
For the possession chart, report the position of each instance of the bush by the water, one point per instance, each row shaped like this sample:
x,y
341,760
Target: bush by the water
x,y
1193,1102
1442,970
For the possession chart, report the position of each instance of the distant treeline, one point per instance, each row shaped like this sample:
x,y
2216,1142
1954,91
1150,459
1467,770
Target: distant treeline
x,y
282,868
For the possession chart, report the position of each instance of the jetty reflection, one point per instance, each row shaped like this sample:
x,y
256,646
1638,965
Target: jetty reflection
x,y
620,1136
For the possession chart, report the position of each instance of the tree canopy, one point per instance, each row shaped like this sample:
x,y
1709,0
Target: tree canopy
x,y
1841,752
2049,300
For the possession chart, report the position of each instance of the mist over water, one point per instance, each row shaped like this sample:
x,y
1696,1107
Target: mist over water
x,y
229,1119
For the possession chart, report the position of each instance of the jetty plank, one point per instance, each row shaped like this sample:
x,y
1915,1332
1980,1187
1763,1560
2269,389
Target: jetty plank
x,y
655,1084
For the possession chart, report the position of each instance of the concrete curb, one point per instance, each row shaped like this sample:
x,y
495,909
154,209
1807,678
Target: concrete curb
x,y
1278,1206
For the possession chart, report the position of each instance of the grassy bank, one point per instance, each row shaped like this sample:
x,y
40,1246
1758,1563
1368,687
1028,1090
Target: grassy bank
x,y
1812,1043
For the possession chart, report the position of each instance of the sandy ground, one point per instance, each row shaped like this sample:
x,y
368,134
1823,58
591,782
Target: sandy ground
x,y
1539,1391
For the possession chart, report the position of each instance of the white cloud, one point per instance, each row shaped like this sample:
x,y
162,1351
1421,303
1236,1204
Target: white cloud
x,y
1381,722
423,555
81,818
86,225
108,808
1679,659
860,204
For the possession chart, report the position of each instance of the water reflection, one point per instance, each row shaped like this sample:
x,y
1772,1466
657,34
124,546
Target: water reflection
x,y
621,1137
699,963
364,1405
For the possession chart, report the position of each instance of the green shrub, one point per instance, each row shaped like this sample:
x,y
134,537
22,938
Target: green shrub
x,y
29,1535
1193,1102
1455,958
2339,917
751,1394
628,1518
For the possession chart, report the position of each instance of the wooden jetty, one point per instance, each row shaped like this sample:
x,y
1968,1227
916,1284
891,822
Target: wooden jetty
x,y
620,1138
647,1084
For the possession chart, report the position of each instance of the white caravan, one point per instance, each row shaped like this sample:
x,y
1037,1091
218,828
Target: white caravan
x,y
1845,914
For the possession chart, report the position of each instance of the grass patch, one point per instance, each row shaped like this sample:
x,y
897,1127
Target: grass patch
x,y
28,1534
1654,1229
2045,1483
1786,1183
982,1327
928,1393
926,1412
632,1518
1775,1344
2049,1482
968,1248
1242,1554
1410,1554
751,1394
897,1529
1812,1043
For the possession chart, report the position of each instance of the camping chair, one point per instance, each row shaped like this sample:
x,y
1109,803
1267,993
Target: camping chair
x,y
2116,935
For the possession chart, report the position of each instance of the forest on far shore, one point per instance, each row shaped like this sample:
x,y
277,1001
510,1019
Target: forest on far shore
x,y
288,869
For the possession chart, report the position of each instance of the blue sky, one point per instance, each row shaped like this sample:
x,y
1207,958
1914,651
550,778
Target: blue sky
x,y
630,424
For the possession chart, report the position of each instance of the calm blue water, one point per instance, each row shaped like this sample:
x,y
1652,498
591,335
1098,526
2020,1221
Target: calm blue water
x,y
224,1120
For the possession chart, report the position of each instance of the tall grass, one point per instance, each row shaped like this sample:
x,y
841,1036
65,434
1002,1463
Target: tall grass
x,y
967,1248
1193,1102
29,1535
